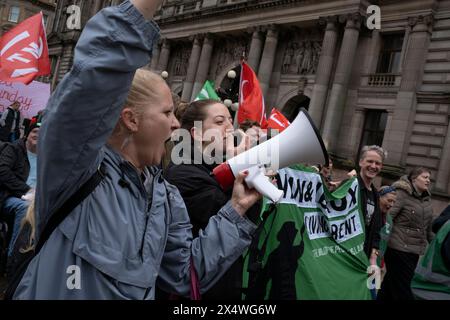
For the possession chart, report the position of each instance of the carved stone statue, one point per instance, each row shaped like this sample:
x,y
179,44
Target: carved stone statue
x,y
316,56
231,51
299,54
287,60
180,60
307,59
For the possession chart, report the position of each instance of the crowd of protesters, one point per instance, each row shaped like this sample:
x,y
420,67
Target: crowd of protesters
x,y
140,226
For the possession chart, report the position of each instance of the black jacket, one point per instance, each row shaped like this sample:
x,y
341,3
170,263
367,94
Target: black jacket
x,y
204,197
372,240
14,170
6,129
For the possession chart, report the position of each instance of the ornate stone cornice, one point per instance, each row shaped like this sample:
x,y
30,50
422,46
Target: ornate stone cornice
x,y
229,9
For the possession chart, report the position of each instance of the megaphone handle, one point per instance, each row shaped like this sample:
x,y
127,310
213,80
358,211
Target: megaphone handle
x,y
256,179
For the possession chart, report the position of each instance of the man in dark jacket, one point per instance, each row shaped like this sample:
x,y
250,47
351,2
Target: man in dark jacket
x,y
370,163
10,123
16,178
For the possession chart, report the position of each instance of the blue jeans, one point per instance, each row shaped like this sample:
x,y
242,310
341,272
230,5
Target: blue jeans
x,y
17,208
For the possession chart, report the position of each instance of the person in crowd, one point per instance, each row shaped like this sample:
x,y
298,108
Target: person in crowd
x,y
134,227
388,196
431,280
10,123
24,245
412,215
202,194
370,163
18,162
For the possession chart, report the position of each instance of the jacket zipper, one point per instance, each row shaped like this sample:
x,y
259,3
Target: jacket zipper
x,y
148,206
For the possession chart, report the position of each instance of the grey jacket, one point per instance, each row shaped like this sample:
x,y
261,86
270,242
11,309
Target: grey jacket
x,y
117,242
412,215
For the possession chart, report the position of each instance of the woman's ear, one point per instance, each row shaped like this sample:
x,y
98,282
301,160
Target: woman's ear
x,y
130,119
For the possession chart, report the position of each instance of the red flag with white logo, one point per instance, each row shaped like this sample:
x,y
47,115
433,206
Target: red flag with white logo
x,y
251,100
24,51
277,120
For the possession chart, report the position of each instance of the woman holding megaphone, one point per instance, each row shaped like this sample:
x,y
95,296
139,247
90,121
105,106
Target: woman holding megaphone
x,y
211,135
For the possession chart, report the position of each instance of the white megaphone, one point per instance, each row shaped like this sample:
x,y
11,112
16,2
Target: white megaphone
x,y
299,143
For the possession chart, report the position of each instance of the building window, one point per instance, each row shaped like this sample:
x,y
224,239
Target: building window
x,y
14,13
374,126
391,50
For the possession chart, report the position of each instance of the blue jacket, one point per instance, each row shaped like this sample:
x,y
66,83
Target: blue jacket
x,y
118,240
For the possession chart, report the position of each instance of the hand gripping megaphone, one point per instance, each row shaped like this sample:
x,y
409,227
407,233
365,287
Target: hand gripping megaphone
x,y
299,143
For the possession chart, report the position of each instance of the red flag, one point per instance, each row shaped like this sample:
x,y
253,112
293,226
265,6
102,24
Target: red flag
x,y
277,120
251,100
24,51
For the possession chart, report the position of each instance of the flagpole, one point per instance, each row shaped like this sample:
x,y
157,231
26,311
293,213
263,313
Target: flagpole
x,y
235,122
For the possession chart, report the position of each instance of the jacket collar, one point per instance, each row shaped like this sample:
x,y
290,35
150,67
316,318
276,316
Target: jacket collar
x,y
362,185
406,185
129,172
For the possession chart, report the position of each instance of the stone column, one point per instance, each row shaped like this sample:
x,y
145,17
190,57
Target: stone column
x,y
164,56
203,66
271,98
192,68
443,175
323,73
356,129
155,56
336,104
397,138
256,46
268,59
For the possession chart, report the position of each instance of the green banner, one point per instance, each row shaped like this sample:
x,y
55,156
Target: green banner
x,y
311,246
207,92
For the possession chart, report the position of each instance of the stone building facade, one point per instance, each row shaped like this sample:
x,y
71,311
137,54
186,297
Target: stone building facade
x,y
13,12
62,39
387,86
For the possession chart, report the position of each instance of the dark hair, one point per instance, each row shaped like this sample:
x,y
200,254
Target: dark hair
x,y
15,104
247,124
195,111
180,109
417,171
